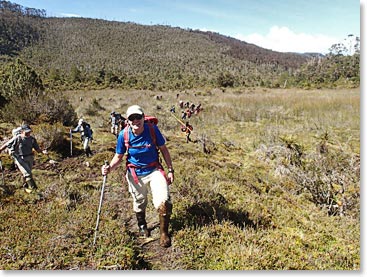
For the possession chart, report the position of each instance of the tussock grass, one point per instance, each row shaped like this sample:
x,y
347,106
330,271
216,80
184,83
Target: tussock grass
x,y
248,202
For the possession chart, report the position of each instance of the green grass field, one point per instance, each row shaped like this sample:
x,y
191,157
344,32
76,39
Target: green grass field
x,y
271,182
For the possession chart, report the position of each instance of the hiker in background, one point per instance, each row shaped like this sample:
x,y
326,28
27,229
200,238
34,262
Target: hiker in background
x,y
141,141
86,135
15,132
117,122
21,148
192,108
173,109
198,109
181,104
183,115
188,113
187,129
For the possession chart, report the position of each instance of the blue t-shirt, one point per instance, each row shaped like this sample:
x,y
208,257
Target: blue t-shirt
x,y
142,156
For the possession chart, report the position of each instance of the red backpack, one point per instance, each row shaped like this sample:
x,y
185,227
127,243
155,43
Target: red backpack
x,y
150,120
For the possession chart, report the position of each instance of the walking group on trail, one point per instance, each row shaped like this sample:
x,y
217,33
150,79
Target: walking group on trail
x,y
140,140
20,147
187,111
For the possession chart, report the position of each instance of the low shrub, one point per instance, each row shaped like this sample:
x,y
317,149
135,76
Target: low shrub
x,y
39,109
50,137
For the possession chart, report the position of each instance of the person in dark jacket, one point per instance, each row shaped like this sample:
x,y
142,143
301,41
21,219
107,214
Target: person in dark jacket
x,y
86,135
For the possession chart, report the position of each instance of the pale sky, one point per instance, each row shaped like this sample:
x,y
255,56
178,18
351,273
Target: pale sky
x,y
279,25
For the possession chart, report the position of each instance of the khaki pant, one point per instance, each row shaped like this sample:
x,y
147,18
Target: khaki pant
x,y
25,164
139,192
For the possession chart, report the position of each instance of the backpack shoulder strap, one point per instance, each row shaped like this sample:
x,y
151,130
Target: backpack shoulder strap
x,y
126,137
152,133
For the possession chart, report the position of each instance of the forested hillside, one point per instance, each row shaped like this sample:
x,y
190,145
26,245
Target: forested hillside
x,y
82,52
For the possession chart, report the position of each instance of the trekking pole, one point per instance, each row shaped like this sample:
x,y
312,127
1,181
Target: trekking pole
x,y
2,173
99,207
178,120
71,143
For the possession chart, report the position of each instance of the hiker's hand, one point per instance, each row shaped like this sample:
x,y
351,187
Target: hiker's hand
x,y
105,169
170,178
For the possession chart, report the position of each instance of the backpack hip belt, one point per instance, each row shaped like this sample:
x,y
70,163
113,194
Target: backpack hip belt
x,y
155,164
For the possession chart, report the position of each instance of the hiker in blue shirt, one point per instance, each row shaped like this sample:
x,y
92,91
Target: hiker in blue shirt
x,y
141,140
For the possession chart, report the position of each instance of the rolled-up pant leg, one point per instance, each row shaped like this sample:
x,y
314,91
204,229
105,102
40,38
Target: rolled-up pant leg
x,y
139,192
159,188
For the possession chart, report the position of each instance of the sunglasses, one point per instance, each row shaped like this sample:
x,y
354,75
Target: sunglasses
x,y
135,117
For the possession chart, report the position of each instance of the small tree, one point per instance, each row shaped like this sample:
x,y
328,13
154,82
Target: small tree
x,y
338,49
18,80
75,75
225,80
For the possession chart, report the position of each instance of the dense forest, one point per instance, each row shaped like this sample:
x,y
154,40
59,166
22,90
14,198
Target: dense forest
x,y
71,53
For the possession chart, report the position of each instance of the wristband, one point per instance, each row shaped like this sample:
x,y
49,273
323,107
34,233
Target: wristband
x,y
170,170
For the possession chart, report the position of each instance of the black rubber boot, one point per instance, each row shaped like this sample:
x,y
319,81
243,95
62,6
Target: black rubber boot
x,y
31,186
88,152
143,228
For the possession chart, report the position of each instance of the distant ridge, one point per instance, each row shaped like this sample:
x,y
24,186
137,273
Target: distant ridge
x,y
95,52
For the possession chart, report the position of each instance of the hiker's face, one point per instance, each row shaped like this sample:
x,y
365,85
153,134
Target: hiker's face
x,y
136,121
26,134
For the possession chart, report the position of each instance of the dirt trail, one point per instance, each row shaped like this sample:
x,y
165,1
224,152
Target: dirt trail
x,y
154,256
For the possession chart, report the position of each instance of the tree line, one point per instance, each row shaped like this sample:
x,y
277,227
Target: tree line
x,y
74,53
